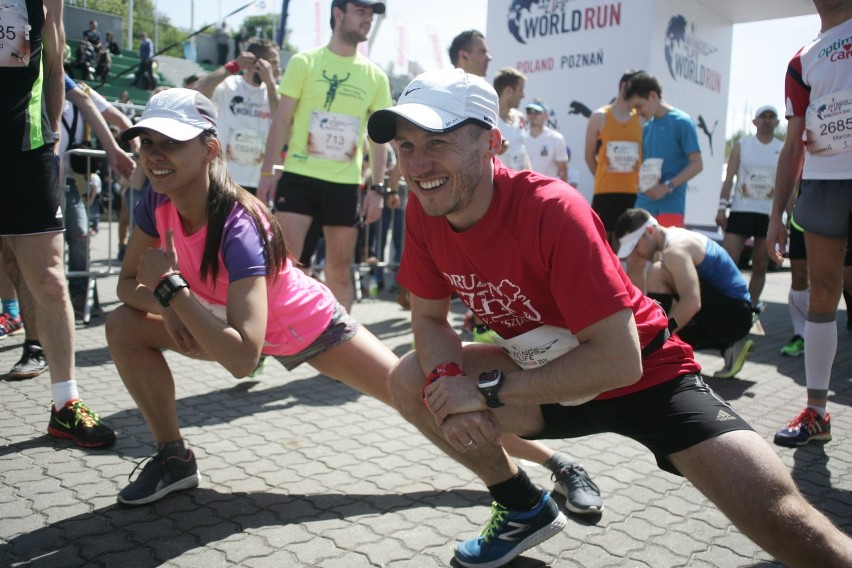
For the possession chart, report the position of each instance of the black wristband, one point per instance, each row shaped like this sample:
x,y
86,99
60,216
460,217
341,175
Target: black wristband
x,y
378,188
168,288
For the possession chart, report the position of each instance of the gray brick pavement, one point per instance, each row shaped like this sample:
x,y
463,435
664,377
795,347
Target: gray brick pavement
x,y
299,470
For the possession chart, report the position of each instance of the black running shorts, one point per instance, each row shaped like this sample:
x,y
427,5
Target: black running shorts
x,y
665,418
610,206
334,204
30,197
748,224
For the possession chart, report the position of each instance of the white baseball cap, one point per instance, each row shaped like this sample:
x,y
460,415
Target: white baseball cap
x,y
439,101
180,114
628,242
765,108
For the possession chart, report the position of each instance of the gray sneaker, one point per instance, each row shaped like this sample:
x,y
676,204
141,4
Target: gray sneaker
x,y
581,494
160,476
31,364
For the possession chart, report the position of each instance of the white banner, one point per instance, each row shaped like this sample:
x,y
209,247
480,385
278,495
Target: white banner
x,y
573,53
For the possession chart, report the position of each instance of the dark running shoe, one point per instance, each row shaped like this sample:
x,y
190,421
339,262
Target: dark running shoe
x,y
31,364
160,476
509,533
76,422
807,427
582,496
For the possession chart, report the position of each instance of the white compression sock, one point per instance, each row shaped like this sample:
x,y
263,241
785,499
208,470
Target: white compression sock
x,y
820,348
63,392
797,303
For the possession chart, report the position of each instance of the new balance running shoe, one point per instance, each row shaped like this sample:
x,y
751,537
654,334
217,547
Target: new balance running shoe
x,y
509,533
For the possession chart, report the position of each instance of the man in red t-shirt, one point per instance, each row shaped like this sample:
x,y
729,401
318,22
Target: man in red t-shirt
x,y
579,349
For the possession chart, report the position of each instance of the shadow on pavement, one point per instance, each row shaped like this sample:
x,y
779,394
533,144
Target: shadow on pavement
x,y
153,534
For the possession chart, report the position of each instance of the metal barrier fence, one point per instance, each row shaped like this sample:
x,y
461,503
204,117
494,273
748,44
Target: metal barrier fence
x,y
89,273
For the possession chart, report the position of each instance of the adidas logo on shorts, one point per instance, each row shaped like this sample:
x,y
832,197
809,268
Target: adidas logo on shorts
x,y
723,416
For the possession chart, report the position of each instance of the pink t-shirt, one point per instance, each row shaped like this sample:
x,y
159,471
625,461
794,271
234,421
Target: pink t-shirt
x,y
537,270
299,307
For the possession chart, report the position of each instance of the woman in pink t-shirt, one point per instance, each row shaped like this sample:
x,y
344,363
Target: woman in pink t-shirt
x,y
207,274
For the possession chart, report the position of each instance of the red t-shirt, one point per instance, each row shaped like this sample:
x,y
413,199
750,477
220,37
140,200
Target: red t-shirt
x,y
537,270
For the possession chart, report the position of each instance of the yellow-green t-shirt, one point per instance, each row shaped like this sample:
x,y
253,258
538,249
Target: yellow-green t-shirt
x,y
336,97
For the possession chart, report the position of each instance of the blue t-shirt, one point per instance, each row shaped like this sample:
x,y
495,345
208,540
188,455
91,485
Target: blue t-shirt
x,y
718,270
673,138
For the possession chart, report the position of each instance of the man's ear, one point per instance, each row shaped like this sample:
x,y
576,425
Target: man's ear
x,y
495,141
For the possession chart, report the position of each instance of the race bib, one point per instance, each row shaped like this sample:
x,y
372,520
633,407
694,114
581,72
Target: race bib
x,y
333,136
758,183
650,173
621,156
539,347
246,147
829,125
14,34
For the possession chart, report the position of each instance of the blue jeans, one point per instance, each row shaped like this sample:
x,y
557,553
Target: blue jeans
x,y
392,220
76,235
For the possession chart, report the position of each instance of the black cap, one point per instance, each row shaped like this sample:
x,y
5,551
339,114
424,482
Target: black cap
x,y
378,7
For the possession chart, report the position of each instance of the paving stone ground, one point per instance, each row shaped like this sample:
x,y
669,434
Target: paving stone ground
x,y
299,470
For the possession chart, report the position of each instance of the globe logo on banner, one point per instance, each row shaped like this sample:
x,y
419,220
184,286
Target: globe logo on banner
x,y
516,16
686,55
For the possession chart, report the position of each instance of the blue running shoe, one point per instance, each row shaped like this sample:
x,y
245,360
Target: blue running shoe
x,y
807,427
509,533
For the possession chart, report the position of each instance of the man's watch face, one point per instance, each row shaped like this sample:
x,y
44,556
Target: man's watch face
x,y
490,378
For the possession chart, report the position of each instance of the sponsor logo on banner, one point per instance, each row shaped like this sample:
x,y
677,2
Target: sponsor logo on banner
x,y
529,20
686,55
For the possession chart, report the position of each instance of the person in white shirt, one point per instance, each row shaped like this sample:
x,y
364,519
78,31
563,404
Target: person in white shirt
x,y
752,162
545,146
245,93
509,84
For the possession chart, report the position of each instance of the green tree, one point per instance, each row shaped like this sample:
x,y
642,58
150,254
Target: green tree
x,y
266,27
145,18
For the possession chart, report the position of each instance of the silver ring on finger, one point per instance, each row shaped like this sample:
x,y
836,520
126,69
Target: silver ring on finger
x,y
469,443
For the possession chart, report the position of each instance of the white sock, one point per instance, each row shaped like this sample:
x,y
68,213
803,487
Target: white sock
x,y
63,392
821,410
797,303
820,348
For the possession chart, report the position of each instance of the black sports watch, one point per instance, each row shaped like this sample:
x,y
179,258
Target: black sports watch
x,y
489,384
168,288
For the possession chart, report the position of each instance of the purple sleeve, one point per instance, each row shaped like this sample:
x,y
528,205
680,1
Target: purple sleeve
x,y
242,247
143,212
